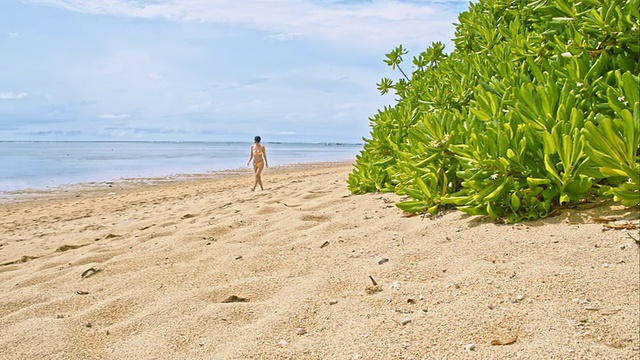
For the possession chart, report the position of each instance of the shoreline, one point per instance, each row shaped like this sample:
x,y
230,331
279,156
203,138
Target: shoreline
x,y
27,194
209,269
45,165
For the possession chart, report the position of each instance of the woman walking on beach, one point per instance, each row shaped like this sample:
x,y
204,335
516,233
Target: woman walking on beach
x,y
259,156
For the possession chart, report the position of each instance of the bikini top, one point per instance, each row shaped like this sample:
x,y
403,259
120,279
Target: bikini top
x,y
257,151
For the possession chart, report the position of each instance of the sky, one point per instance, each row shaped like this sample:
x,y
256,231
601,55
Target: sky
x,y
205,70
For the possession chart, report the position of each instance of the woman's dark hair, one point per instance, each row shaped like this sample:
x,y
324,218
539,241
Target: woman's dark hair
x,y
257,139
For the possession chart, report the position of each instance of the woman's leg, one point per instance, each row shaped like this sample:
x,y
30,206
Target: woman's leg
x,y
255,177
259,176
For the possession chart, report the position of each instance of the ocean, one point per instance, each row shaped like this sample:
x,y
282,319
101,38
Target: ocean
x,y
48,165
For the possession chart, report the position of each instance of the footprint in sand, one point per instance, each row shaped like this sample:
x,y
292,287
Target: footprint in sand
x,y
65,247
23,259
315,194
317,218
267,210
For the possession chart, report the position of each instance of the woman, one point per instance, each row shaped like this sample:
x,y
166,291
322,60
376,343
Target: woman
x,y
259,156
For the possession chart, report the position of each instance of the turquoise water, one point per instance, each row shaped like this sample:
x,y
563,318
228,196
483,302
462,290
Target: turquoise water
x,y
42,165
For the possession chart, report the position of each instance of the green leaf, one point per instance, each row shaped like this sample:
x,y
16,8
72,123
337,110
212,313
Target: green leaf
x,y
412,206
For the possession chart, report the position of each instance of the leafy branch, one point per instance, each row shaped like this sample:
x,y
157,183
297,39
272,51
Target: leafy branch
x,y
536,108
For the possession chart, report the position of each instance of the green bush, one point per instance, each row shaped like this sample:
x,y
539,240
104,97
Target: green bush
x,y
537,107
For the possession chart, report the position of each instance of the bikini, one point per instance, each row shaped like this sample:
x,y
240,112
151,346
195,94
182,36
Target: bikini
x,y
256,161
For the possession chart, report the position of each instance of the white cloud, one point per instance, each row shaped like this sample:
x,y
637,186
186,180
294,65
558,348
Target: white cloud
x,y
249,104
12,96
303,67
54,113
114,116
199,106
13,35
287,133
285,36
374,22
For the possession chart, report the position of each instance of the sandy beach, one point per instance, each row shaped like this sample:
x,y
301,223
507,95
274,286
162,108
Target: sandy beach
x,y
204,268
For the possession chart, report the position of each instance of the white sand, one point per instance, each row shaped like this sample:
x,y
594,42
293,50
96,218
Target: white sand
x,y
301,253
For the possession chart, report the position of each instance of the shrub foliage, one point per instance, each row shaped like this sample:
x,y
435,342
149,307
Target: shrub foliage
x,y
537,107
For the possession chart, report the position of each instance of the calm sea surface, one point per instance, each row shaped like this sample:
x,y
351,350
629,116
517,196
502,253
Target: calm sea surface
x,y
43,165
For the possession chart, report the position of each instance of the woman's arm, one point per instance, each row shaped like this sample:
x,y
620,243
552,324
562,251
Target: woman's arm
x,y
264,153
250,155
